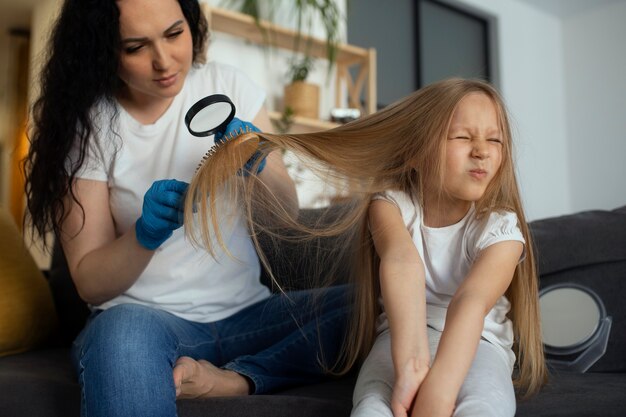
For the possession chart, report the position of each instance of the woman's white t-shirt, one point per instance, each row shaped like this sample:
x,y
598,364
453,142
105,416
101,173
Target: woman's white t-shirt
x,y
129,156
448,253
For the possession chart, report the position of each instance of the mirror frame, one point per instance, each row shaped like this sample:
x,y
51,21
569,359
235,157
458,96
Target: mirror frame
x,y
591,349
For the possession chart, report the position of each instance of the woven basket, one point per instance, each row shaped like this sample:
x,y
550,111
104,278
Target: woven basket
x,y
303,98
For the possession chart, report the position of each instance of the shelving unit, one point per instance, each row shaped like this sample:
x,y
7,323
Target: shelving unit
x,y
348,56
305,124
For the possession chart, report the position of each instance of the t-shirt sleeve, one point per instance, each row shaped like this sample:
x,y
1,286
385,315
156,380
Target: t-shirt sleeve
x,y
401,200
93,167
500,227
245,94
99,154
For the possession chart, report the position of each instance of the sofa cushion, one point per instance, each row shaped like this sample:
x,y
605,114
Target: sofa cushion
x,y
42,383
570,394
332,398
39,383
585,238
27,315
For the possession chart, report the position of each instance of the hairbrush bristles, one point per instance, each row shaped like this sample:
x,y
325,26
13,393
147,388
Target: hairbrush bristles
x,y
207,155
232,136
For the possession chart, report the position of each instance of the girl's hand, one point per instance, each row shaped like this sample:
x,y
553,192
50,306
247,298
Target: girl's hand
x,y
408,381
433,401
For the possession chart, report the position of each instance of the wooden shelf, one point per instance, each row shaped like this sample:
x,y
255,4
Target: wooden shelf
x,y
305,124
244,26
267,33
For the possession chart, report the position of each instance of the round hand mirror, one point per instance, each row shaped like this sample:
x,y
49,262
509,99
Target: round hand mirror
x,y
569,317
574,321
210,115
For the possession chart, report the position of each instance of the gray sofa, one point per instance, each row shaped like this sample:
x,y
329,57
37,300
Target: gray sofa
x,y
588,248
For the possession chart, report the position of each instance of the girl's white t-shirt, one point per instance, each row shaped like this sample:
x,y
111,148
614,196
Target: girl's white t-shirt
x,y
129,156
448,253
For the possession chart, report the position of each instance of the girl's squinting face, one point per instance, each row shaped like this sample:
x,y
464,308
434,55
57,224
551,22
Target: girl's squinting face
x,y
157,49
473,149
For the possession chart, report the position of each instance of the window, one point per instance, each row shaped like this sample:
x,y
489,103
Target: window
x,y
421,41
451,42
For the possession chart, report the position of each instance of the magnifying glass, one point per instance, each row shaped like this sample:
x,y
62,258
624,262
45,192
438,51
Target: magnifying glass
x,y
210,115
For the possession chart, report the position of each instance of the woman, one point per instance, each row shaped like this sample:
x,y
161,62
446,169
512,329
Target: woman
x,y
108,167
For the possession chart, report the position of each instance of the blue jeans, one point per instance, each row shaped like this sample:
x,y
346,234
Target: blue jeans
x,y
125,355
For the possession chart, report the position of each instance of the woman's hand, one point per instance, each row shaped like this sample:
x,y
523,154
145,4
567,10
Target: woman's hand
x,y
235,128
162,212
408,382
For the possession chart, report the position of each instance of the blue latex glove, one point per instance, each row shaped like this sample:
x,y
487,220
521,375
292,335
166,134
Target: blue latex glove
x,y
235,128
162,212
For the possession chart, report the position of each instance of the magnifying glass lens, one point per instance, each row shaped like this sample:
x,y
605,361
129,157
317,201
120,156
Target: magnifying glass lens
x,y
210,115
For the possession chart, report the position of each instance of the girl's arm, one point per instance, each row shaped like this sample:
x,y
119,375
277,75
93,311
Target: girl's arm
x,y
402,282
275,173
486,282
101,266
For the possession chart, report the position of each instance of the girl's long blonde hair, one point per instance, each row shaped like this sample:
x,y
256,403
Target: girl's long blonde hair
x,y
395,148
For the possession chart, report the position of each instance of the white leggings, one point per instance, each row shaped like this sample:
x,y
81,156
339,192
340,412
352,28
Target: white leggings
x,y
487,390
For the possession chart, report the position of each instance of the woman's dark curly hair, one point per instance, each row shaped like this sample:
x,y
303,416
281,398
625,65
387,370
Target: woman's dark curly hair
x,y
81,70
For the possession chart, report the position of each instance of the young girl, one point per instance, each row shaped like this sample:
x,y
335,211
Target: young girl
x,y
447,289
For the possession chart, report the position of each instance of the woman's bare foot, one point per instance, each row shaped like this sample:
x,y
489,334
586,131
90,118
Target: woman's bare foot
x,y
201,379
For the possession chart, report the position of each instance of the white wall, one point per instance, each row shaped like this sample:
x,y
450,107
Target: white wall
x,y
595,79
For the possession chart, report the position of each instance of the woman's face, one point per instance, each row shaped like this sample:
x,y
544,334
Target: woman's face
x,y
157,49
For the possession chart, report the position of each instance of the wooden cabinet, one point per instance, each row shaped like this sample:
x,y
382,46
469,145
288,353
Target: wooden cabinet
x,y
348,56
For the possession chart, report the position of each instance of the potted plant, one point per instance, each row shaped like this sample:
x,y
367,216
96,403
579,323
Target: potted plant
x,y
304,10
329,15
300,98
